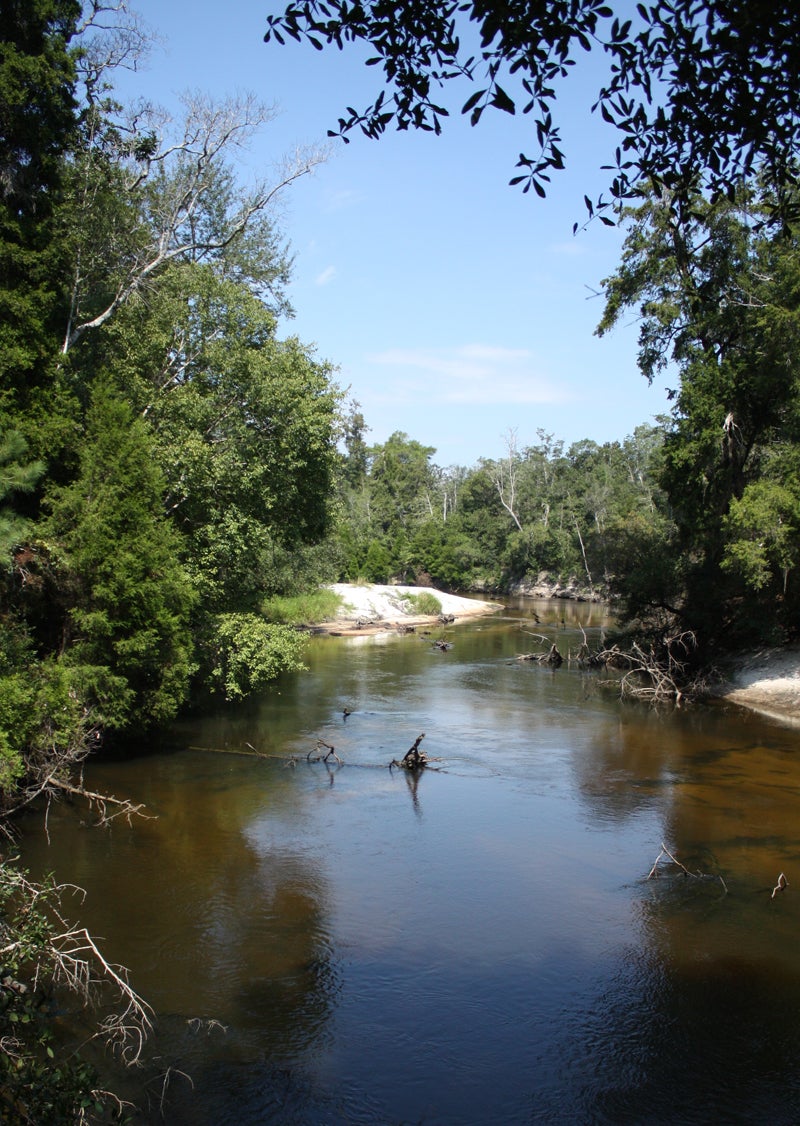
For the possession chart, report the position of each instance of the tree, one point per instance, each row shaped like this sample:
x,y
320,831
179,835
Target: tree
x,y
126,594
402,482
17,475
703,92
244,427
146,195
38,116
719,298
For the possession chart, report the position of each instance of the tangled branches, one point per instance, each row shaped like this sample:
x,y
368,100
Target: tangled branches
x,y
41,953
658,673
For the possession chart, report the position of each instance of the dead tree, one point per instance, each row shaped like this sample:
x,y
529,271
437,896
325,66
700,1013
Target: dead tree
x,y
659,676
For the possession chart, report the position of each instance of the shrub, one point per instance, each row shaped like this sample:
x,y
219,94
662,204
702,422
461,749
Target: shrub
x,y
424,603
248,653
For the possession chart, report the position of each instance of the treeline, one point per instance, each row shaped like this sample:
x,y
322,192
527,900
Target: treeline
x,y
692,525
540,510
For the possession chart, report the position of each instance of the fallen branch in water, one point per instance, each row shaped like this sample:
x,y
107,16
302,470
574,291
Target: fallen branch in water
x,y
653,873
108,807
414,758
658,675
781,885
551,657
323,758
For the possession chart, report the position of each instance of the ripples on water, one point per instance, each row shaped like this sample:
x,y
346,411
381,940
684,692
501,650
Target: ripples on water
x,y
478,945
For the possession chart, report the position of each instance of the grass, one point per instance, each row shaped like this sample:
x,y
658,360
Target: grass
x,y
302,609
424,603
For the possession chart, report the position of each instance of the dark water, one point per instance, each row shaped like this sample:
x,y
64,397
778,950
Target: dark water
x,y
345,944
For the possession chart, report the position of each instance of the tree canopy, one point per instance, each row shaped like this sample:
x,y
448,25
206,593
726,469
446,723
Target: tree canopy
x,y
702,92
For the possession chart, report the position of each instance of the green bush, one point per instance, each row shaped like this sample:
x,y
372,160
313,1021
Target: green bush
x,y
247,653
424,603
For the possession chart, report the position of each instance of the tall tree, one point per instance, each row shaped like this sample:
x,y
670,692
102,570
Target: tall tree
x,y
719,299
38,116
703,92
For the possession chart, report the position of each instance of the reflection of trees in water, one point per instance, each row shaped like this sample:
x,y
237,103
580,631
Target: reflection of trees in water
x,y
666,1042
698,1024
212,923
622,769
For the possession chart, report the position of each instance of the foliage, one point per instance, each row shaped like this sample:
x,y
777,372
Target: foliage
x,y
424,603
719,298
127,597
702,94
17,475
302,609
245,653
38,115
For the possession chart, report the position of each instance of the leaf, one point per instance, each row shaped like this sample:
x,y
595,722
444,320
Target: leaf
x,y
501,100
472,101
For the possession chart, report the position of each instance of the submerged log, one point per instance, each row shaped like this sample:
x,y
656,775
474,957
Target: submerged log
x,y
551,657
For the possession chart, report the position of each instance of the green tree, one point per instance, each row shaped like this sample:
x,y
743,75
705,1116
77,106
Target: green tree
x,y
126,594
17,475
244,428
702,93
720,300
37,122
402,483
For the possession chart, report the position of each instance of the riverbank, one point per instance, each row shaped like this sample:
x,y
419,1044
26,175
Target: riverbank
x,y
767,682
375,609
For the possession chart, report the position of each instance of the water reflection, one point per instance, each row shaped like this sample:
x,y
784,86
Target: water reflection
x,y
501,958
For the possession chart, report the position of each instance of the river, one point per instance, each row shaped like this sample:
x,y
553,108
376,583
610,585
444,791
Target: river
x,y
330,943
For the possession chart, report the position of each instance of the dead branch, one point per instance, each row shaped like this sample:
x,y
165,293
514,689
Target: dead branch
x,y
659,675
331,753
414,758
781,885
552,657
653,873
122,807
68,956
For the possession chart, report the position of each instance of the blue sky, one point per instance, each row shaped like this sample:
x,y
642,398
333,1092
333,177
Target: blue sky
x,y
454,307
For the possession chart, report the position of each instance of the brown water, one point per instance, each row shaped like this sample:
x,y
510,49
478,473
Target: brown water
x,y
478,945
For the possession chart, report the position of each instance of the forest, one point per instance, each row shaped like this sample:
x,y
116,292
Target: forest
x,y
175,476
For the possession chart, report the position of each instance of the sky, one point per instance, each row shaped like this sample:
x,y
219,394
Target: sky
x,y
453,307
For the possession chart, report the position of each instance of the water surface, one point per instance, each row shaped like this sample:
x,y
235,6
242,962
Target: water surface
x,y
479,944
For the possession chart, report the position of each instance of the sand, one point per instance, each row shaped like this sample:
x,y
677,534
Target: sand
x,y
376,608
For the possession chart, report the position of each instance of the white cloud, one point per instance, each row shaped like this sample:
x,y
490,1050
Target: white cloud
x,y
469,374
327,275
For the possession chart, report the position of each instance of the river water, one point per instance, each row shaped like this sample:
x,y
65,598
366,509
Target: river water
x,y
330,943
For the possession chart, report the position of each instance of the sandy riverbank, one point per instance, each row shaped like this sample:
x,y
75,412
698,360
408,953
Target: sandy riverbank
x,y
377,609
767,682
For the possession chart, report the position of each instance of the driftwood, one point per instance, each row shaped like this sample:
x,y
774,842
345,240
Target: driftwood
x,y
414,758
320,757
659,676
552,657
446,619
781,885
